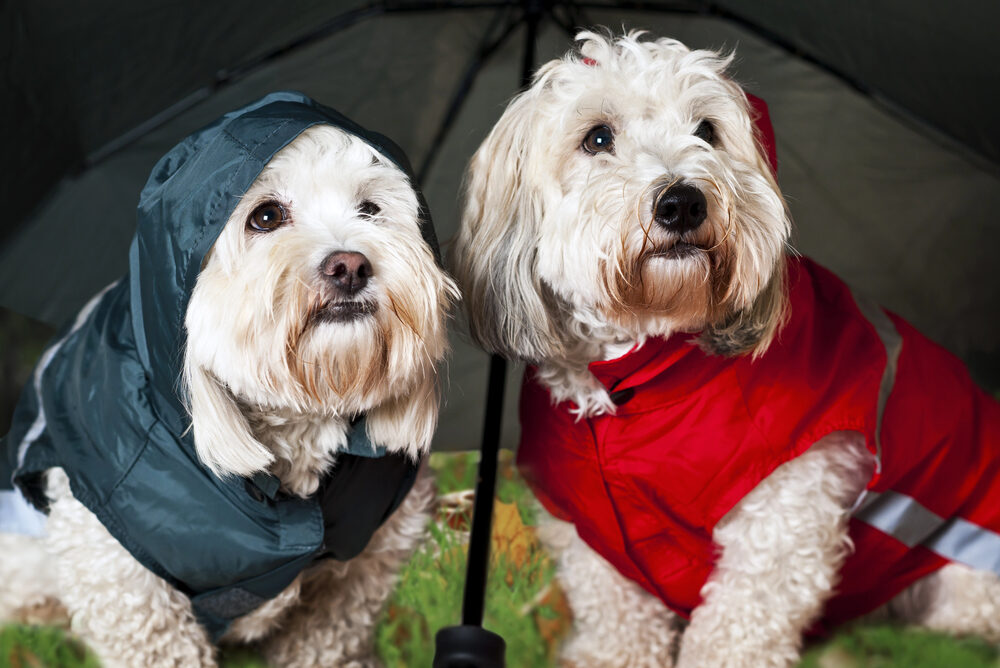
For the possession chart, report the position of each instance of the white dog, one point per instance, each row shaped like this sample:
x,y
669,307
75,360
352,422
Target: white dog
x,y
300,293
707,410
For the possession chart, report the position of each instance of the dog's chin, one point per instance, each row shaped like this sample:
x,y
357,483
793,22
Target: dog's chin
x,y
669,287
682,250
343,312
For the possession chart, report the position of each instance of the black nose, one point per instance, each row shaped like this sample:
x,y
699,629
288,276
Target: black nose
x,y
346,271
680,208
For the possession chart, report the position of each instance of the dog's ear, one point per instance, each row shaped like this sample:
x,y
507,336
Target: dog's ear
x,y
751,329
407,422
755,317
222,436
494,255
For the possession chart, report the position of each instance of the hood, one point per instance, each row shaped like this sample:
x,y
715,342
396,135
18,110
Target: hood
x,y
186,202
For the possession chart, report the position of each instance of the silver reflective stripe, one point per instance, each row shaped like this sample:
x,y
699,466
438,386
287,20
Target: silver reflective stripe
x,y
893,342
961,540
956,539
38,426
899,516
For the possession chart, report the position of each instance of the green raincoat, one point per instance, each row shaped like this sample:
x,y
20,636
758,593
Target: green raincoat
x,y
104,404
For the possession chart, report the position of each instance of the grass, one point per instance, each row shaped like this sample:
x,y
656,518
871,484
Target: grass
x,y
34,647
523,604
893,647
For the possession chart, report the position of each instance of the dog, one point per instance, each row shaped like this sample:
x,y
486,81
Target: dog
x,y
260,390
735,448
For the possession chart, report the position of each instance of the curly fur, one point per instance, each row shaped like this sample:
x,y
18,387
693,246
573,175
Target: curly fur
x,y
562,264
272,388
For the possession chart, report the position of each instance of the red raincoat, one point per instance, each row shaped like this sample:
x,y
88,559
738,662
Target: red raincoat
x,y
694,433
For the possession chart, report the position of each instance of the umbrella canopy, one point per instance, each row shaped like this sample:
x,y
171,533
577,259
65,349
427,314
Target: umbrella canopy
x,y
888,151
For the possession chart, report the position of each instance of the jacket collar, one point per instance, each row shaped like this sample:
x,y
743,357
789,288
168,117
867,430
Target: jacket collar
x,y
643,362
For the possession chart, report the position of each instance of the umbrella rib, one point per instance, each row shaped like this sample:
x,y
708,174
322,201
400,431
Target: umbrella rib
x,y
682,7
226,77
566,25
486,49
434,5
577,16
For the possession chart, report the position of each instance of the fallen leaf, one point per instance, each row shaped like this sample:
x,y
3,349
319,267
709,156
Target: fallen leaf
x,y
510,537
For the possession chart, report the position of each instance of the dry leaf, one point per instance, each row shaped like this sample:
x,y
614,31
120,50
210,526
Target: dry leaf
x,y
510,536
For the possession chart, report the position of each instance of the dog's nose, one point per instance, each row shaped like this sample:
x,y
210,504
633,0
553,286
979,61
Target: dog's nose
x,y
346,271
680,208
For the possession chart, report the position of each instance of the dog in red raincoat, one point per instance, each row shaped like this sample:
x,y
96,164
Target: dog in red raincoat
x,y
743,451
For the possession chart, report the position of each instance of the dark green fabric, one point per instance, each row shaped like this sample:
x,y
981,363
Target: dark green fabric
x,y
105,404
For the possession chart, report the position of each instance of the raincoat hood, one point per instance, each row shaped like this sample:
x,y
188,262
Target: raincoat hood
x,y
105,403
189,196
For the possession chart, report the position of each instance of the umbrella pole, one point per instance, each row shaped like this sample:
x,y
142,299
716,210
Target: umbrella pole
x,y
470,645
482,515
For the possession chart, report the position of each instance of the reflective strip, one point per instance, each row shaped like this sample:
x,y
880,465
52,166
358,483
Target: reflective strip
x,y
893,342
961,540
898,515
956,539
38,426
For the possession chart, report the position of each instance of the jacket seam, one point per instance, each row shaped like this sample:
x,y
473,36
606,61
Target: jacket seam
x,y
138,455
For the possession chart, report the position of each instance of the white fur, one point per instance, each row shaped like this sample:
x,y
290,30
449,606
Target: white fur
x,y
554,248
271,388
554,258
606,605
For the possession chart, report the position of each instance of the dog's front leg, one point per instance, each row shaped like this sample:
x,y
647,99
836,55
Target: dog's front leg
x,y
782,547
333,623
616,623
128,615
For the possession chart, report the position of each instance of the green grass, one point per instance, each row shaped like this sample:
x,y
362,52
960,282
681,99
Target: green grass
x,y
33,647
431,599
893,647
522,604
430,596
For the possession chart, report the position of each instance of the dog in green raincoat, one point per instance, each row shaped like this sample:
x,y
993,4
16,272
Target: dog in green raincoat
x,y
225,444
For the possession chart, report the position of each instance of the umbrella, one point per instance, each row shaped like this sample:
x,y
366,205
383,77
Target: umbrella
x,y
889,155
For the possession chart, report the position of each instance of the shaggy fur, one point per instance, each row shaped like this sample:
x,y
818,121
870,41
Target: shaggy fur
x,y
272,385
562,263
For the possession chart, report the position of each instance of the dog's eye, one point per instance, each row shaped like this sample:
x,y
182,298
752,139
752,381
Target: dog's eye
x,y
267,217
369,208
706,132
600,139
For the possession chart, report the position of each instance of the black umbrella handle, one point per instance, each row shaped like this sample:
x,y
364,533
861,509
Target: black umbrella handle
x,y
470,645
482,513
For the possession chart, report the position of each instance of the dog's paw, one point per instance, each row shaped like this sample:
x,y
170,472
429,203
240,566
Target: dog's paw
x,y
746,651
587,650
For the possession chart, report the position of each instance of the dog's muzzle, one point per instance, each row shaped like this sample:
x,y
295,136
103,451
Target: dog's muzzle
x,y
680,208
346,273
